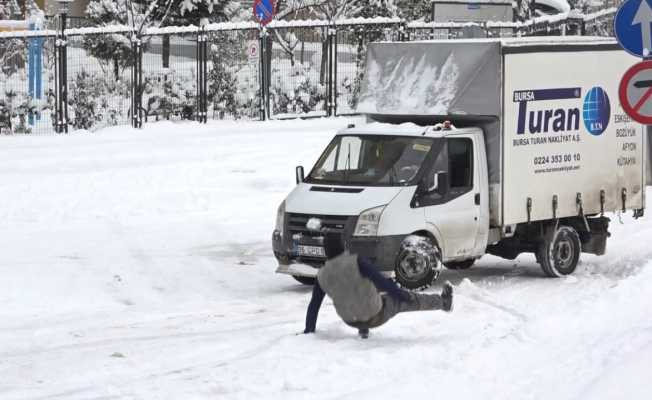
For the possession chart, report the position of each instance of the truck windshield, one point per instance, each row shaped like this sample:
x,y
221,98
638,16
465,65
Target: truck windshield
x,y
372,160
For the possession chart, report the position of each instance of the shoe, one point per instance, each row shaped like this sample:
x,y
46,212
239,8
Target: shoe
x,y
447,297
364,333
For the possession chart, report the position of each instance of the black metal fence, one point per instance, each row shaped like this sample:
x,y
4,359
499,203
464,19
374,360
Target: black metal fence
x,y
95,77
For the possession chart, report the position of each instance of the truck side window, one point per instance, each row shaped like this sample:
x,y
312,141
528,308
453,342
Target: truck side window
x,y
460,164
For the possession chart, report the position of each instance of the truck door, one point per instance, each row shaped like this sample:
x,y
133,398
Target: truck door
x,y
454,208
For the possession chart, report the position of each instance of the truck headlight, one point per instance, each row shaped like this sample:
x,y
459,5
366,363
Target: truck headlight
x,y
368,222
280,218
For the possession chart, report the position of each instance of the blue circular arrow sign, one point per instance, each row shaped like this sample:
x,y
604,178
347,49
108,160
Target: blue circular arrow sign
x,y
264,11
632,27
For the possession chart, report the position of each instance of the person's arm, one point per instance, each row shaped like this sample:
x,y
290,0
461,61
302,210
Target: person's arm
x,y
313,307
369,271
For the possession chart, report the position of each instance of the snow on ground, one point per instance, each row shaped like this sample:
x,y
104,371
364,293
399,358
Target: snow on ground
x,y
137,265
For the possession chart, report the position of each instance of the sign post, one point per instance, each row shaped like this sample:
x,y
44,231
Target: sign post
x,y
264,11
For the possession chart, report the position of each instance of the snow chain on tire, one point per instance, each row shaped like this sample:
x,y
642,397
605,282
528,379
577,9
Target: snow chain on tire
x,y
421,257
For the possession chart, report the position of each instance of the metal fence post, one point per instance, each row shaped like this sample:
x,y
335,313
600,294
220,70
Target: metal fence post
x,y
198,66
61,66
335,57
137,82
205,45
330,94
202,75
265,71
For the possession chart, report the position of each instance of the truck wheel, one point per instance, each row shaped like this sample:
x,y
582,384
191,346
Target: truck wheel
x,y
304,279
466,264
418,263
559,252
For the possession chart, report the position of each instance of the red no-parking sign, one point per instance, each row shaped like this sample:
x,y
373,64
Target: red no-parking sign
x,y
635,92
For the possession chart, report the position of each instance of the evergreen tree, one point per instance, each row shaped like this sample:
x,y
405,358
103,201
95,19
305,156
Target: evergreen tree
x,y
222,83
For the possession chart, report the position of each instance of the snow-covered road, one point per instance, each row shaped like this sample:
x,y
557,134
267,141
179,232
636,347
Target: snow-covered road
x,y
137,265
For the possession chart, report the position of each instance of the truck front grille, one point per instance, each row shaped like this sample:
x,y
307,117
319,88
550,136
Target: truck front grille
x,y
334,223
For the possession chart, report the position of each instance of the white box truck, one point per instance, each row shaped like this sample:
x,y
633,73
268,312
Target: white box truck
x,y
473,147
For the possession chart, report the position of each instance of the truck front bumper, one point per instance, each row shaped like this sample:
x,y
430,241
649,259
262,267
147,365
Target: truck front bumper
x,y
381,250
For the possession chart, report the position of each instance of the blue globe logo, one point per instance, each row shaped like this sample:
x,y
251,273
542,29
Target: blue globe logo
x,y
597,111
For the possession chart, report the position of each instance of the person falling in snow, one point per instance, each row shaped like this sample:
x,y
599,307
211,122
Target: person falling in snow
x,y
362,297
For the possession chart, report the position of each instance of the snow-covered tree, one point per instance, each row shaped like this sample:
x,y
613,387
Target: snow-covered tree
x,y
112,49
414,10
12,51
225,52
9,9
187,12
330,10
522,10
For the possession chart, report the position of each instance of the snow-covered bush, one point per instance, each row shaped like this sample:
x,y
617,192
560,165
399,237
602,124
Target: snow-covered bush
x,y
5,117
95,101
16,108
222,91
248,91
168,94
298,92
85,101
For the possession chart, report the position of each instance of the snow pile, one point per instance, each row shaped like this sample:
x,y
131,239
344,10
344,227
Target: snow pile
x,y
410,87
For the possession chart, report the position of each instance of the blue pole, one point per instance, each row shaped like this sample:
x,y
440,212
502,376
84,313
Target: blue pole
x,y
39,72
35,61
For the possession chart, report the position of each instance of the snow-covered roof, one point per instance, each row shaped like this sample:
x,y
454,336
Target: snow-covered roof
x,y
550,19
404,129
497,2
527,41
377,128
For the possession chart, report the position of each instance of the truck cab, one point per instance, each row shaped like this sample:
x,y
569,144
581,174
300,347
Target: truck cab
x,y
411,198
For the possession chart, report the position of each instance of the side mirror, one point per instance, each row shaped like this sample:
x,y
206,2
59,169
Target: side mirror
x,y
439,183
300,175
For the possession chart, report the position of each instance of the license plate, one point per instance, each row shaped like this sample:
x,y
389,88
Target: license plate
x,y
311,251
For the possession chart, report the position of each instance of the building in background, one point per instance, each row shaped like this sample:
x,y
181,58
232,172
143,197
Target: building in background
x,y
51,7
472,10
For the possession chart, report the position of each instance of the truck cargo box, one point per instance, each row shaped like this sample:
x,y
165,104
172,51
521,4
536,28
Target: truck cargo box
x,y
558,142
